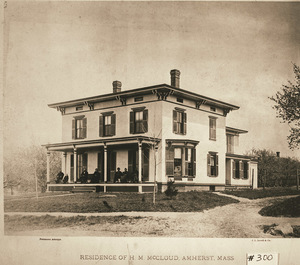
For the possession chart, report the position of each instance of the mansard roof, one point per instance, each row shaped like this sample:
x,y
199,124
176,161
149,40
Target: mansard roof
x,y
161,89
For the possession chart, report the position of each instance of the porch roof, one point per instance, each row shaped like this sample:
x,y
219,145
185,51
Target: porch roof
x,y
244,157
234,130
68,146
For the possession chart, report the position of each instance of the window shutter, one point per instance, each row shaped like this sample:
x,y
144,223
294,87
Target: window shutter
x,y
84,121
194,161
241,166
208,165
131,122
73,129
175,121
217,165
214,129
233,169
186,163
169,161
85,160
184,116
113,125
248,170
101,126
145,120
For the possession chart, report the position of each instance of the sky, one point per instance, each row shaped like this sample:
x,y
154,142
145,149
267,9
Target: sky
x,y
237,52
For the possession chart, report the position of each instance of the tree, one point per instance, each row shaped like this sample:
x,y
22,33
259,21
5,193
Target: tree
x,y
21,166
287,106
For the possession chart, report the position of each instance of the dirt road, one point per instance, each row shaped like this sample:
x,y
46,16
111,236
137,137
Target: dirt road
x,y
238,220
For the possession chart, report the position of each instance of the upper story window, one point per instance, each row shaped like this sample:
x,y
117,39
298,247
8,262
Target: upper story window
x,y
139,120
79,108
180,100
79,125
107,124
230,143
137,99
212,108
179,121
212,128
212,164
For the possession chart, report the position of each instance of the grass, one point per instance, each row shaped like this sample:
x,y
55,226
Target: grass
x,y
121,202
287,208
260,193
29,223
296,230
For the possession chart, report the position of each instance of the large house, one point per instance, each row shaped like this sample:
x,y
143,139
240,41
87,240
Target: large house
x,y
159,133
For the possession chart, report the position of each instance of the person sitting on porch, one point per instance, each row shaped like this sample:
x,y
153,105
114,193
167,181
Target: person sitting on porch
x,y
59,177
96,177
124,177
84,176
66,179
118,175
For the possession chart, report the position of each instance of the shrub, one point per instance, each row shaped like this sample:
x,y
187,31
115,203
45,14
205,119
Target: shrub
x,y
171,191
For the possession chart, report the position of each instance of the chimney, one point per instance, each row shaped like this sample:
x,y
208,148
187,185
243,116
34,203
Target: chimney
x,y
117,86
175,77
278,154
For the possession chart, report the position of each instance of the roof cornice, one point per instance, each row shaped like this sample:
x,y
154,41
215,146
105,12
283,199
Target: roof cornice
x,y
162,91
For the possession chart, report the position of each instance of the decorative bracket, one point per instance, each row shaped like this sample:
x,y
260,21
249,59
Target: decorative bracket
x,y
90,104
162,95
122,100
226,111
61,109
199,103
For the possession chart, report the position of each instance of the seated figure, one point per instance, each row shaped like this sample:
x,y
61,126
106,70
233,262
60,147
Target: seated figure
x,y
59,177
118,175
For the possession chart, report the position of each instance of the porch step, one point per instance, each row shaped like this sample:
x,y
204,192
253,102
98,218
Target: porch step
x,y
83,189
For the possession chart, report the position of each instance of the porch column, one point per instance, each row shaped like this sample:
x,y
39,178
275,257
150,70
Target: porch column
x,y
48,166
105,167
140,165
64,162
75,164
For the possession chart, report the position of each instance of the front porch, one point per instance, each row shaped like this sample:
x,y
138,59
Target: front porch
x,y
135,156
105,187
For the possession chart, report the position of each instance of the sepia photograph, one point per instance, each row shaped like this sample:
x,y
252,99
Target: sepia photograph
x,y
151,132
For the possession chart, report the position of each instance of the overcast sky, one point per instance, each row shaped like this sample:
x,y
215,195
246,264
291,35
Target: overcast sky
x,y
240,53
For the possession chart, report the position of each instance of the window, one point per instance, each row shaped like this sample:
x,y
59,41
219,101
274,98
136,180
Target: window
x,y
180,100
139,120
137,99
213,109
212,128
79,108
79,127
240,169
212,164
179,121
230,143
107,124
180,161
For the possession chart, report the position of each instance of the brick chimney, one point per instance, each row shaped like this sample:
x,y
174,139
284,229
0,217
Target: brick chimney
x,y
175,77
117,86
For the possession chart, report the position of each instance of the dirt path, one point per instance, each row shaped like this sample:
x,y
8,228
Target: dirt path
x,y
238,220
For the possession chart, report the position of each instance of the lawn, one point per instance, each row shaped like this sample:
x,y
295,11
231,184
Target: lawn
x,y
20,223
261,193
119,202
287,208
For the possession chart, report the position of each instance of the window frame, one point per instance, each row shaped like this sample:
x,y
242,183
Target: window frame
x,y
179,121
105,129
212,128
138,125
79,127
212,170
